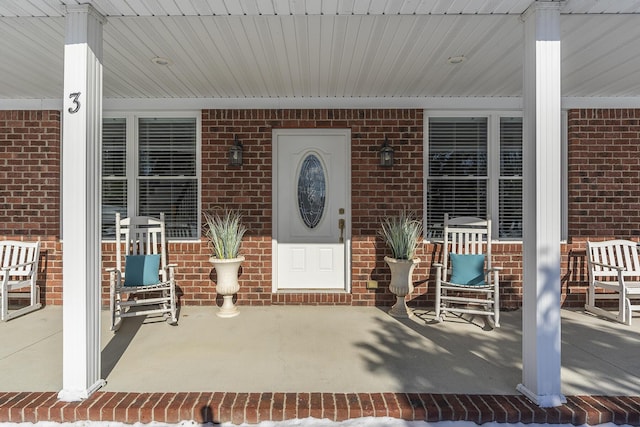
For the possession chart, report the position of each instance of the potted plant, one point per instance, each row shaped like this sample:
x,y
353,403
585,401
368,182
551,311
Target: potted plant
x,y
402,234
225,233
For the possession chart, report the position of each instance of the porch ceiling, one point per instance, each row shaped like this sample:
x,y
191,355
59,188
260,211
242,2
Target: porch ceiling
x,y
311,49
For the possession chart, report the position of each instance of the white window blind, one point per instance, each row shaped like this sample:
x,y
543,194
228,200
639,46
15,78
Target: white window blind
x,y
462,181
162,177
457,169
510,184
114,173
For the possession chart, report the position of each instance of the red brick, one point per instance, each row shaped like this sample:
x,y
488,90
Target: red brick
x,y
315,405
484,404
42,410
251,408
264,408
120,409
162,402
138,410
631,403
342,407
329,408
277,407
56,411
379,405
391,403
367,405
30,405
238,407
15,405
303,405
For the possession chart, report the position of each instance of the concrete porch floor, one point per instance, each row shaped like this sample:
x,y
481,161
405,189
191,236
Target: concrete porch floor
x,y
335,349
323,349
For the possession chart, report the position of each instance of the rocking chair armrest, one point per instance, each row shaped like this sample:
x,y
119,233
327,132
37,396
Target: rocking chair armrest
x,y
115,272
171,270
439,271
613,267
23,264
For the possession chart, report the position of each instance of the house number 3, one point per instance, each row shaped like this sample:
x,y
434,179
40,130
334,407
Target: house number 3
x,y
76,103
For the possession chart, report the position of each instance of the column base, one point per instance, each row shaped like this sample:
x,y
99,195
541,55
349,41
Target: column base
x,y
66,395
543,401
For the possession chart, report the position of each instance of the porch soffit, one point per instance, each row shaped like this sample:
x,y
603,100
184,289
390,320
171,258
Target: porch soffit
x,y
112,8
295,50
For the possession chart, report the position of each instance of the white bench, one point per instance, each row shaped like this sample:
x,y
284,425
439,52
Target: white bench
x,y
614,267
18,275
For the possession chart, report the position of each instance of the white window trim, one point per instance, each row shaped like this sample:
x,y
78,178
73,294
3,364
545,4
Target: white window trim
x,y
131,118
564,174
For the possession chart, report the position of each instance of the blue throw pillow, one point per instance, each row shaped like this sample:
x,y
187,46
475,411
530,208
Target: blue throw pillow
x,y
142,270
467,269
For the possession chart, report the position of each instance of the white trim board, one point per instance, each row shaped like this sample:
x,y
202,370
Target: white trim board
x,y
439,103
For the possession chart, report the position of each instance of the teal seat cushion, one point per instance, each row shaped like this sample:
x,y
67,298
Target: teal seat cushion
x,y
142,270
467,269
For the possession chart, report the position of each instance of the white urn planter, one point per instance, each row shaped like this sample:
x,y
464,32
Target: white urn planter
x,y
227,283
401,284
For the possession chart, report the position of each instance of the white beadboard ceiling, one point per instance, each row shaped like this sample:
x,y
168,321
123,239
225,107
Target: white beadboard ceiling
x,y
278,49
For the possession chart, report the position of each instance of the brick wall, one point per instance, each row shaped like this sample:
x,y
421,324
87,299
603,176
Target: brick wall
x,y
604,197
604,173
603,187
376,191
30,173
30,189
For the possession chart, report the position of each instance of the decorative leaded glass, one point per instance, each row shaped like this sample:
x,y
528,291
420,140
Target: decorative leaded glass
x,y
312,186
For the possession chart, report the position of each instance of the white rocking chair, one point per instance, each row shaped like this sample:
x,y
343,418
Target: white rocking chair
x,y
141,271
466,282
18,275
614,274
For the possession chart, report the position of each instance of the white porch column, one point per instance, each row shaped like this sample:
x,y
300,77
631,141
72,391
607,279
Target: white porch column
x,y
81,171
542,216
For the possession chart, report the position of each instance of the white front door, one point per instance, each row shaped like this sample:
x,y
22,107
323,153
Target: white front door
x,y
311,195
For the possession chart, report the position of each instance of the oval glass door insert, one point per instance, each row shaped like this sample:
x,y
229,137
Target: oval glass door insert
x,y
312,185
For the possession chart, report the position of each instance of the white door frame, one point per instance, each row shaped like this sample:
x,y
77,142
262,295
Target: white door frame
x,y
274,199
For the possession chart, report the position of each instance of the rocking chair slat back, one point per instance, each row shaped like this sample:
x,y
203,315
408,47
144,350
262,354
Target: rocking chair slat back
x,y
141,236
17,255
466,235
618,253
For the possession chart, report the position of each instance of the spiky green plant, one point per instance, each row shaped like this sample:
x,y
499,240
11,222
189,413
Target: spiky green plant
x,y
225,233
402,233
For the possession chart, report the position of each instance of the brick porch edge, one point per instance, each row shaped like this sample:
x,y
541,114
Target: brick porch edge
x,y
252,408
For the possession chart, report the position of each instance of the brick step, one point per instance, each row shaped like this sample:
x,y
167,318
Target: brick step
x,y
252,408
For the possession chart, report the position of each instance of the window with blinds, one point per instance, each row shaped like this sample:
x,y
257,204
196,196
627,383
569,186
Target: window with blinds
x,y
457,176
459,173
510,181
167,180
114,173
163,177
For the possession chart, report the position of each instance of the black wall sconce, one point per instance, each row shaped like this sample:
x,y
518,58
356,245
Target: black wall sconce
x,y
386,154
235,153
